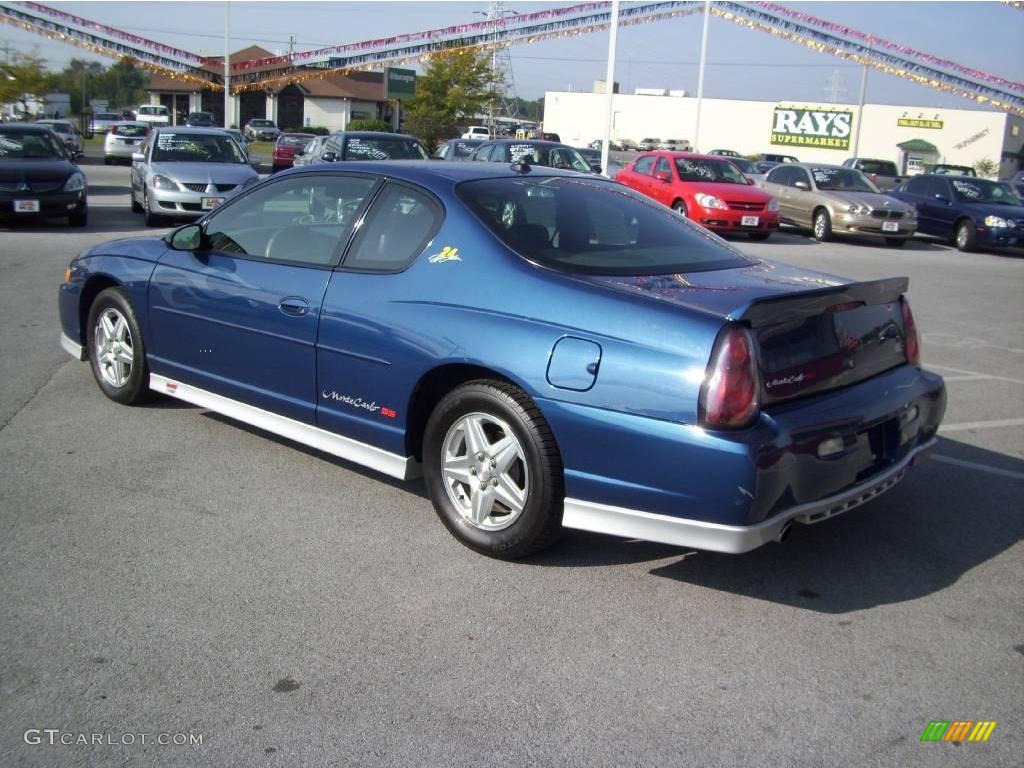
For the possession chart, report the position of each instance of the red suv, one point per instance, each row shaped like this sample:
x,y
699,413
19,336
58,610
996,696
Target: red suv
x,y
286,146
709,190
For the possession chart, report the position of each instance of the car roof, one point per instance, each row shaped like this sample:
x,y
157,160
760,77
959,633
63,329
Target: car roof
x,y
436,175
373,135
28,127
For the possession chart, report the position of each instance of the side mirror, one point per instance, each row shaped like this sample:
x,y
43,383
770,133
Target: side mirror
x,y
138,157
802,185
663,176
187,238
328,157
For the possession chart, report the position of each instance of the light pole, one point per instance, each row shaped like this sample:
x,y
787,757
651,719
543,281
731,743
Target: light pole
x,y
227,66
700,74
609,86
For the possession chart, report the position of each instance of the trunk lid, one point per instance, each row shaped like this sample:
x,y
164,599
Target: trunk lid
x,y
813,331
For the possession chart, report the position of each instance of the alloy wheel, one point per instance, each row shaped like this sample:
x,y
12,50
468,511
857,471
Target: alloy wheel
x,y
114,350
484,470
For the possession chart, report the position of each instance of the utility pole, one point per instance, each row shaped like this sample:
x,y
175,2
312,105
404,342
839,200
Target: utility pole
x,y
700,73
227,65
860,110
834,87
609,86
291,47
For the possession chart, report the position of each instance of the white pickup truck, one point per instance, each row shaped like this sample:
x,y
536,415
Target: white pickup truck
x,y
154,114
476,132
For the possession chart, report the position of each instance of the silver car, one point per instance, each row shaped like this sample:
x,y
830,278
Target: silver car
x,y
184,172
100,122
307,154
124,138
832,200
68,133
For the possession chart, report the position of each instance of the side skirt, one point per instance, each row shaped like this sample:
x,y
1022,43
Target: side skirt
x,y
400,467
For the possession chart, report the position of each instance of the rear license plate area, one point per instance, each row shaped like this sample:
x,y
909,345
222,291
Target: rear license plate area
x,y
884,442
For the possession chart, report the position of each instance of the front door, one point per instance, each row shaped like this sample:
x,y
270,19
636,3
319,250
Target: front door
x,y
239,317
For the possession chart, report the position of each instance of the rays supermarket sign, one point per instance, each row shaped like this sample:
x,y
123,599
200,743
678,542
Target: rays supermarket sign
x,y
808,127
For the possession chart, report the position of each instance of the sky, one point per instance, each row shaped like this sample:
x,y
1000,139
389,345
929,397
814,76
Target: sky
x,y
742,63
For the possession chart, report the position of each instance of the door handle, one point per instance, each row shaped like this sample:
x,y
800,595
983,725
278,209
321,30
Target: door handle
x,y
295,306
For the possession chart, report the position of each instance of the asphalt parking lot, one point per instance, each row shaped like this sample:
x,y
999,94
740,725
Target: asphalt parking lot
x,y
166,571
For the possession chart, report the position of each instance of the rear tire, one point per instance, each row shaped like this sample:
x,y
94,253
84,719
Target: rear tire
x,y
966,237
493,470
117,355
822,226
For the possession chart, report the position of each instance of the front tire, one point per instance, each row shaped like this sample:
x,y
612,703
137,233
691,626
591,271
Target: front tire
x,y
966,238
680,207
116,351
152,219
822,226
493,470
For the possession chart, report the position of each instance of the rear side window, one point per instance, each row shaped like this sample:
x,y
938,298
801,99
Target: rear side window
x,y
917,185
937,187
591,226
400,223
878,166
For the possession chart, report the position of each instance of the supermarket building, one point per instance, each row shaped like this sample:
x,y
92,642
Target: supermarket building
x,y
910,136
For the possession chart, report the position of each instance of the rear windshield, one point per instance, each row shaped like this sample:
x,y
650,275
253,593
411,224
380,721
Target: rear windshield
x,y
878,166
25,145
361,148
594,226
262,123
196,148
153,110
131,131
464,149
284,140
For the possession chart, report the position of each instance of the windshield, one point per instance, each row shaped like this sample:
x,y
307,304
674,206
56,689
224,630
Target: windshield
x,y
841,180
703,169
262,123
462,149
286,140
196,148
105,116
25,145
384,148
743,164
152,110
131,131
593,226
983,191
550,156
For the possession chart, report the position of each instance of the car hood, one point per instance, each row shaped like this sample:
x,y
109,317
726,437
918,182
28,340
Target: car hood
x,y
726,293
144,248
218,173
742,193
870,199
14,171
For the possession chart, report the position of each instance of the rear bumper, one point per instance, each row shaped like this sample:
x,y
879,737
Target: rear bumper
x,y
731,539
626,472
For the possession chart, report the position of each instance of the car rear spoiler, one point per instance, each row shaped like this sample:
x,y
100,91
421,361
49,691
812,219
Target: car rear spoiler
x,y
794,306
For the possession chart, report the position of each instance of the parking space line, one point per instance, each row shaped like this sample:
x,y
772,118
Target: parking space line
x,y
965,425
979,377
979,467
973,373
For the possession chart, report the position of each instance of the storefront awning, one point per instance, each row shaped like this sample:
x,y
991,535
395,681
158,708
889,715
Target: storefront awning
x,y
918,145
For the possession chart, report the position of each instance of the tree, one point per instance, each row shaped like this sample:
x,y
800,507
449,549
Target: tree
x,y
24,79
455,86
986,167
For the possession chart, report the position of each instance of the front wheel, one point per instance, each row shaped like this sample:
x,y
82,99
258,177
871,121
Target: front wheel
x,y
966,236
116,351
493,470
680,207
822,225
152,219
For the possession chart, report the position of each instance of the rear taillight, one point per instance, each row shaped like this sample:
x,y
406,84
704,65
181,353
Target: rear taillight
x,y
910,338
728,397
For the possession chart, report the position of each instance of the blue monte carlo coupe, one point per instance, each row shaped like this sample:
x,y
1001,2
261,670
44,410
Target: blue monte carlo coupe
x,y
549,349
